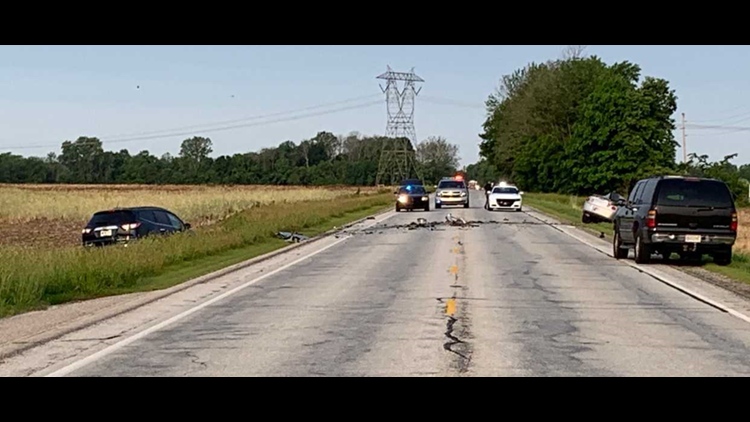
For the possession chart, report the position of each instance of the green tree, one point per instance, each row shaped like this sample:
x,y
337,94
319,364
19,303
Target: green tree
x,y
438,158
83,159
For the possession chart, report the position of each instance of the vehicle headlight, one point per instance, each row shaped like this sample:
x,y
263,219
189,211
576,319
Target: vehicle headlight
x,y
439,194
425,198
86,231
463,193
403,199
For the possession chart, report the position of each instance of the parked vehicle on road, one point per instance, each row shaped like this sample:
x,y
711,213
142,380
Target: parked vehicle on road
x,y
452,191
412,198
126,224
684,215
506,197
598,209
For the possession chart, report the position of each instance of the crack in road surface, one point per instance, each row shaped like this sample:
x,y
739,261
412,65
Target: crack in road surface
x,y
453,339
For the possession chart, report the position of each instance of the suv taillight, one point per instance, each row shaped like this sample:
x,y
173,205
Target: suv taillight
x,y
130,227
735,222
651,219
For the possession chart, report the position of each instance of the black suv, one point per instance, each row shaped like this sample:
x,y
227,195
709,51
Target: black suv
x,y
684,215
126,224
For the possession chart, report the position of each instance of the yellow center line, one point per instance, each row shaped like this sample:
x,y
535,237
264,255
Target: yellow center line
x,y
454,269
450,307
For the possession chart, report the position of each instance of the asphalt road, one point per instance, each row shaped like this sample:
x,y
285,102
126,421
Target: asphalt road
x,y
513,299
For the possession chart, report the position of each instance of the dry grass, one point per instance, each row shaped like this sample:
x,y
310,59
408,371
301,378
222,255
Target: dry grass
x,y
743,235
52,215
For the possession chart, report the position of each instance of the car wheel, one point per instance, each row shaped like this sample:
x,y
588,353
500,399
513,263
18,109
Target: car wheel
x,y
519,210
398,209
586,219
642,251
438,206
617,249
427,208
466,205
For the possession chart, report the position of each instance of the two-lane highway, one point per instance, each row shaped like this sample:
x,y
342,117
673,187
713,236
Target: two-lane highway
x,y
518,298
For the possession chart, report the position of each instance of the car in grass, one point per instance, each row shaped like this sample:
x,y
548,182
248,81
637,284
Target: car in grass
x,y
123,225
505,197
689,216
452,191
412,198
601,209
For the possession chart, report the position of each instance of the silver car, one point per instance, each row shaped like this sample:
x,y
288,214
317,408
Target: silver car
x,y
452,192
598,209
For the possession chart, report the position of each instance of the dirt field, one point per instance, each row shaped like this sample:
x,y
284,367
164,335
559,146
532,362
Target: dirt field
x,y
53,215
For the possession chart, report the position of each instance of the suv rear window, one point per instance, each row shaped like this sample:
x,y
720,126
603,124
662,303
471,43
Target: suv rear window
x,y
112,218
452,185
698,193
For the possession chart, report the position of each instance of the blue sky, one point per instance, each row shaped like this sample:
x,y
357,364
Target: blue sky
x,y
49,94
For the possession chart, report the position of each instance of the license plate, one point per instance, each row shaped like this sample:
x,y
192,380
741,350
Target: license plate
x,y
105,233
693,238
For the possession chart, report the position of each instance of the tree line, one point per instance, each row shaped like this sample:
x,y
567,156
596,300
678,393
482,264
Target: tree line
x,y
325,159
577,125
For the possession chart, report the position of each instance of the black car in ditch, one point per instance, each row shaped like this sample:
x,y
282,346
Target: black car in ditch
x,y
412,198
125,224
683,215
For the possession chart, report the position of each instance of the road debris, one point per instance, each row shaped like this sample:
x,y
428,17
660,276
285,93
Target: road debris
x,y
293,237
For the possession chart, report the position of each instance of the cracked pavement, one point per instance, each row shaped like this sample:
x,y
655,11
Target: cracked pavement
x,y
506,298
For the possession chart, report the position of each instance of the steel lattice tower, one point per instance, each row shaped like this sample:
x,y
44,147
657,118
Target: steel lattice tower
x,y
397,161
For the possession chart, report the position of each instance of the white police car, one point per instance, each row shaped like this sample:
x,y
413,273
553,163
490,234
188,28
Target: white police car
x,y
506,197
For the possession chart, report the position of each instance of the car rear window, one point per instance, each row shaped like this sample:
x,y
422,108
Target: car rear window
x,y
419,190
694,193
112,218
452,185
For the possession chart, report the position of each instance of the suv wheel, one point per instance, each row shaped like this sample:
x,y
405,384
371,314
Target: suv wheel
x,y
723,258
642,251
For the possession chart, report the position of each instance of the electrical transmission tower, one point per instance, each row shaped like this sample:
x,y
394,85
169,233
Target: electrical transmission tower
x,y
398,161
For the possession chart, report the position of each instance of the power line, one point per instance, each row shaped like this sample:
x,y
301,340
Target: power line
x,y
718,127
448,101
217,129
113,138
730,120
725,118
249,118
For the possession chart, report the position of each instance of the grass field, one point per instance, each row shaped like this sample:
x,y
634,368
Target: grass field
x,y
568,208
35,275
53,215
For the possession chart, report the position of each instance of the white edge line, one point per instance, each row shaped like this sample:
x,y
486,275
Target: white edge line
x,y
660,277
114,347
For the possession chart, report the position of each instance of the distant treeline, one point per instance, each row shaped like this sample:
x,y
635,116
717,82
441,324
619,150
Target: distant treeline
x,y
326,159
